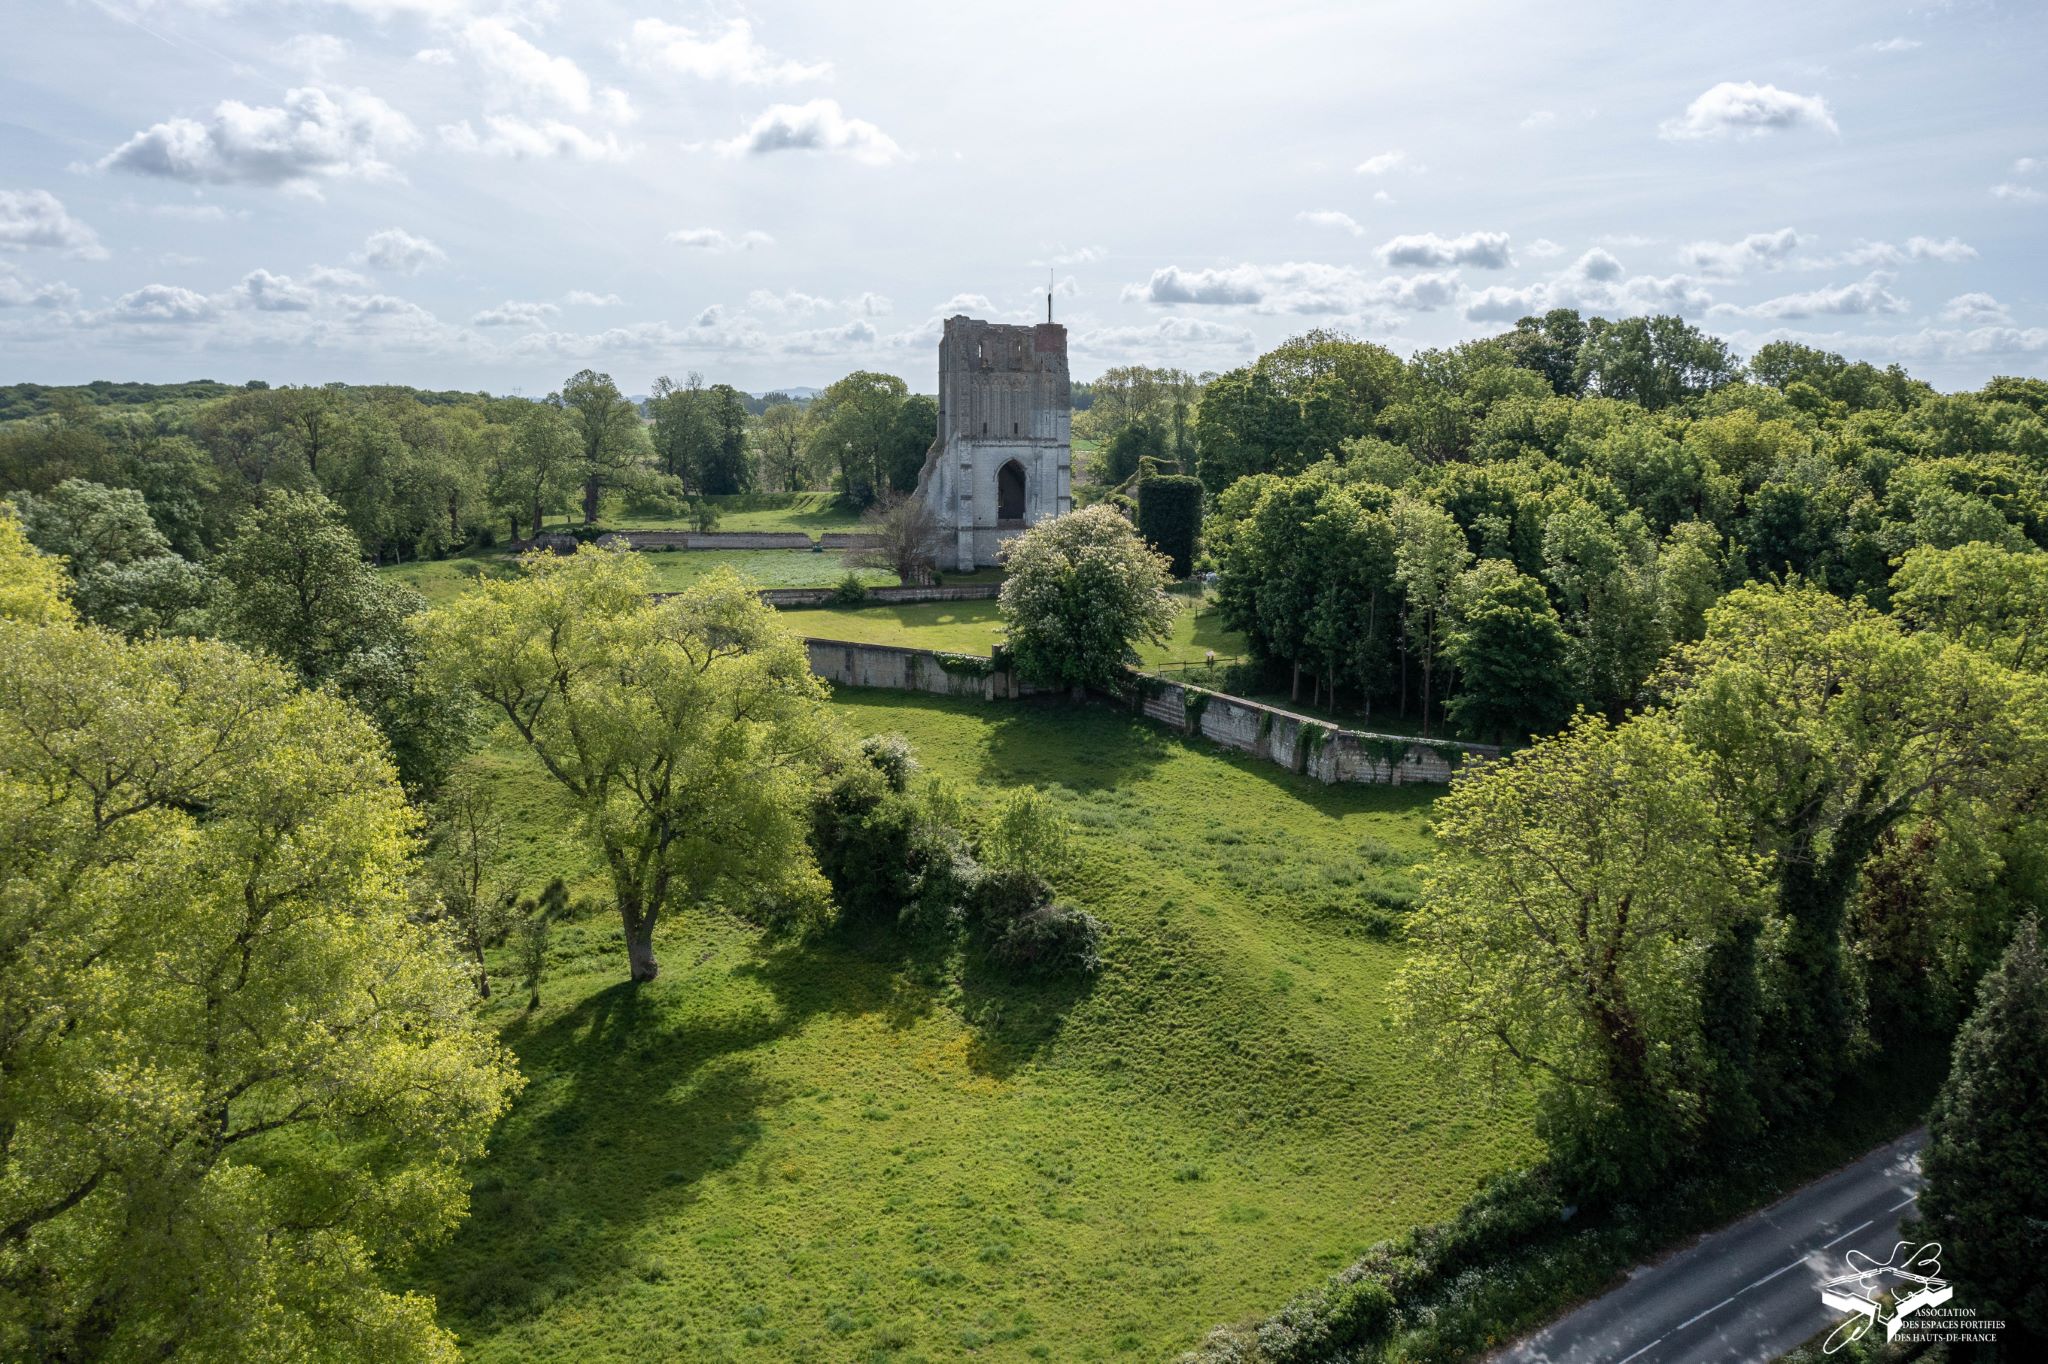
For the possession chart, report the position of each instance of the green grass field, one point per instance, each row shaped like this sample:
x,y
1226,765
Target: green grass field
x,y
440,580
971,627
832,1151
811,513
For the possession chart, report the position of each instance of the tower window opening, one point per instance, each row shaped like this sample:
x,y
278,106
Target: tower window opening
x,y
1013,428
1010,493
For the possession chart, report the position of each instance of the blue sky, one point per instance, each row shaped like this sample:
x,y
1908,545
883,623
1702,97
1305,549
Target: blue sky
x,y
495,193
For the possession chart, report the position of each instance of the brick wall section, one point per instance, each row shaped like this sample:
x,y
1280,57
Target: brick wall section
x,y
1295,742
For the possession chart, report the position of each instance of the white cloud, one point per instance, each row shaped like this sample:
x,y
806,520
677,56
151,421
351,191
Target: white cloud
x,y
334,277
732,55
511,314
1299,287
1758,250
1896,45
397,250
1487,250
311,135
1869,295
2027,165
532,139
1946,251
520,71
1169,334
717,241
818,126
1330,217
37,218
1539,118
16,292
584,298
385,307
789,303
1501,304
1746,109
270,293
1080,255
2018,194
1381,163
162,303
1975,309
1597,265
434,56
1543,248
192,213
974,305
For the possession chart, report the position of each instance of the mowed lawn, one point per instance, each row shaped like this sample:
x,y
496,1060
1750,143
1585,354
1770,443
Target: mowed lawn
x,y
835,1151
440,580
972,627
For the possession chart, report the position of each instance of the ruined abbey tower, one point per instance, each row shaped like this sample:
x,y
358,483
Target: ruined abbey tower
x,y
1002,460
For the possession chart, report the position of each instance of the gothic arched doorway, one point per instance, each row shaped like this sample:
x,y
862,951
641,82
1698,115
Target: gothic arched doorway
x,y
1010,493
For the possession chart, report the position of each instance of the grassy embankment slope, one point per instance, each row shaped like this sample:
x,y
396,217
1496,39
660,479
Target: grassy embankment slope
x,y
972,627
834,1152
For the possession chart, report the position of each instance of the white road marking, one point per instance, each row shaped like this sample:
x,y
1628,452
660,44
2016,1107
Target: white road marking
x,y
1647,1348
1715,1308
1776,1272
1850,1232
1902,1202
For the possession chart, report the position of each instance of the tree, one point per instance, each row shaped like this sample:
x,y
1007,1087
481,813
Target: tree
x,y
1826,725
781,436
1125,451
902,536
1981,595
1429,554
688,731
854,428
242,1084
1655,361
1549,345
1568,913
294,585
607,431
1246,425
1605,575
1510,651
1987,1151
124,573
536,466
467,835
1081,590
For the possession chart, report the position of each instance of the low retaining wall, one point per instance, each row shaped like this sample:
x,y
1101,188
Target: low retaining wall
x,y
1302,744
846,539
716,539
848,664
824,596
1295,742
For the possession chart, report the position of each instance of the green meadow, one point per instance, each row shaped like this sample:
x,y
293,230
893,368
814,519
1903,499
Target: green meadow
x,y
840,1150
973,627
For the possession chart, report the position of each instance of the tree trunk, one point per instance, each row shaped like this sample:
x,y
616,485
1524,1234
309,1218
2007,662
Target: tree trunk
x,y
536,519
592,491
1294,693
483,976
640,962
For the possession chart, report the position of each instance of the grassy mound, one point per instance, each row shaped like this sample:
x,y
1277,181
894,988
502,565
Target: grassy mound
x,y
841,1152
972,627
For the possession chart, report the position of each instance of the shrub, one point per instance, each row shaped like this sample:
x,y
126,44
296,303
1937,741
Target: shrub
x,y
850,592
1028,834
890,755
1170,518
887,860
1013,913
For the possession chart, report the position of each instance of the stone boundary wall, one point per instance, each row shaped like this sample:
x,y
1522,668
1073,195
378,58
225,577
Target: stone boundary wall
x,y
716,539
847,664
1302,744
823,596
846,539
1295,742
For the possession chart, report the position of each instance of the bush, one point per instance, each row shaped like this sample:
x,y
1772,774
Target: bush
x,y
886,859
1170,518
850,592
890,755
1013,913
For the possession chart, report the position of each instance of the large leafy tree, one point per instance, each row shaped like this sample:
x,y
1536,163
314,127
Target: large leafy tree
x,y
240,1081
610,440
1568,917
295,586
124,572
1828,725
687,731
1082,589
1987,1153
1511,654
856,427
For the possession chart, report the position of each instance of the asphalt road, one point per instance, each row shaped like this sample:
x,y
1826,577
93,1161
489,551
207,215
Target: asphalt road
x,y
1747,1293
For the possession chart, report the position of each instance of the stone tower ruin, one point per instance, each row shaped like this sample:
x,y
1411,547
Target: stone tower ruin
x,y
1003,457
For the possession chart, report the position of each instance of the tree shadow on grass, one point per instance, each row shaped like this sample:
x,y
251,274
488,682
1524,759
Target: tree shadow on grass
x,y
633,1100
1015,1017
1086,746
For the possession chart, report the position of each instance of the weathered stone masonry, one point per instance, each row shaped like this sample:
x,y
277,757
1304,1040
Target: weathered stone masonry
x,y
1003,457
